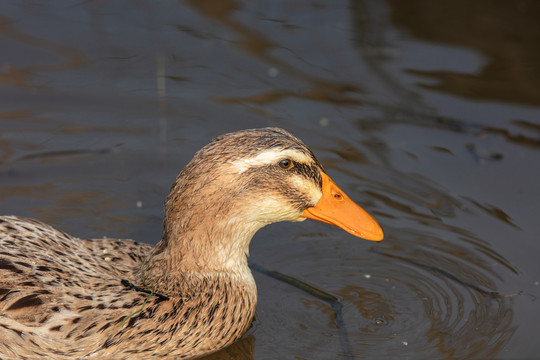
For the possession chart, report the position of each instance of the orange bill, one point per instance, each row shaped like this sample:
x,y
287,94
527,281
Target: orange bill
x,y
336,208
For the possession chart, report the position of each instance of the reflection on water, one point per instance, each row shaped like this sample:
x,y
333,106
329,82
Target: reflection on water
x,y
20,76
372,86
511,51
253,42
241,350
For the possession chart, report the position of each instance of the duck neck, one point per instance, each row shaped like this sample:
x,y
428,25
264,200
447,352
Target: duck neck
x,y
207,229
196,250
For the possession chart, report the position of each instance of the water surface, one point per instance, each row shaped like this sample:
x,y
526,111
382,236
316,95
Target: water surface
x,y
423,112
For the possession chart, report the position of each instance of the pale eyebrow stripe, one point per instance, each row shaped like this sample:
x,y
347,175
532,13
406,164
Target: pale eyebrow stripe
x,y
270,157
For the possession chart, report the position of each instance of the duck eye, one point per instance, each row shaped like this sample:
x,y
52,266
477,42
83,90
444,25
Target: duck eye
x,y
286,164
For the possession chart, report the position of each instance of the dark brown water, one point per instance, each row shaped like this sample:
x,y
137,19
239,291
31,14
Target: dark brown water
x,y
427,113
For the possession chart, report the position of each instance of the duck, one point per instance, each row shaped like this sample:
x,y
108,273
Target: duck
x,y
192,294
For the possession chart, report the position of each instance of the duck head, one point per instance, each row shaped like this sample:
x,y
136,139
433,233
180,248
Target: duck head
x,y
245,180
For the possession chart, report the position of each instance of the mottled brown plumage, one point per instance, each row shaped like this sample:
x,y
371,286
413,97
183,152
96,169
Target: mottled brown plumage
x,y
63,297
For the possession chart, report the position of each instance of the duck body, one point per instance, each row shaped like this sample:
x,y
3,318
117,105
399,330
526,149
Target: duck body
x,y
193,293
63,297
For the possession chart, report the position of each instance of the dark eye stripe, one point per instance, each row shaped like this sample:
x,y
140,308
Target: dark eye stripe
x,y
311,172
